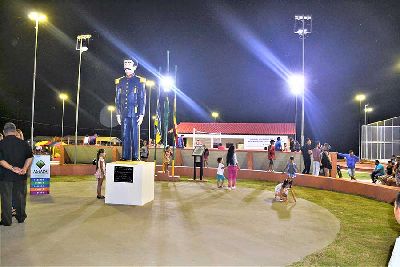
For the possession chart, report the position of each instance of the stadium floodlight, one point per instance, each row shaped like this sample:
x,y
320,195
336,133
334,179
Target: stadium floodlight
x,y
167,83
302,27
296,84
215,115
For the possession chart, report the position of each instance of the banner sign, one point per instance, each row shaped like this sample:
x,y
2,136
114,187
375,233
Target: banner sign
x,y
40,175
259,142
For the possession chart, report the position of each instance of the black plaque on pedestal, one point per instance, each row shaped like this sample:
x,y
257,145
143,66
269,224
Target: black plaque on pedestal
x,y
123,174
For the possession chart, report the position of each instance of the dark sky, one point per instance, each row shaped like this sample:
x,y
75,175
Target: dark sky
x,y
224,51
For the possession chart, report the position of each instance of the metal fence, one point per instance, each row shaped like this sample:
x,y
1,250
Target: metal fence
x,y
380,140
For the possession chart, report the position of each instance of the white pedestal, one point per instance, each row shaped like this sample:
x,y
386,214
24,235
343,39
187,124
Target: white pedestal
x,y
138,192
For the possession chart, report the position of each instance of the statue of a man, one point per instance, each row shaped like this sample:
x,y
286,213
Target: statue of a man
x,y
130,102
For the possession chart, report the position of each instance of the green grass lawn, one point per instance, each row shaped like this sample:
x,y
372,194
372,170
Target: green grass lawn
x,y
367,227
359,175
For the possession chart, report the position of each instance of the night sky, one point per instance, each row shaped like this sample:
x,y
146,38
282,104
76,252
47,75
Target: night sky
x,y
231,58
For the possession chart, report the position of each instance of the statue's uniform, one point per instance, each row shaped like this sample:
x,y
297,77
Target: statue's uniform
x,y
130,102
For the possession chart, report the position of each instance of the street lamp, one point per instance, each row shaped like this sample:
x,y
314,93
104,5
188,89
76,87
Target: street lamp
x,y
63,97
111,108
35,16
367,109
360,98
215,115
302,27
167,83
81,46
150,84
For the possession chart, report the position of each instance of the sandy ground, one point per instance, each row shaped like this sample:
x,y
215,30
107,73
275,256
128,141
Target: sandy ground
x,y
186,224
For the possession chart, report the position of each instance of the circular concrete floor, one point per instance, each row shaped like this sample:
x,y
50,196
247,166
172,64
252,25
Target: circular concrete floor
x,y
186,224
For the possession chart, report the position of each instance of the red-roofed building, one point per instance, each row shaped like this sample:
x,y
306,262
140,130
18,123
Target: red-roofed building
x,y
242,135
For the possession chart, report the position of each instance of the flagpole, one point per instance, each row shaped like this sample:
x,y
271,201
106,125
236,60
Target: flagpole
x,y
175,132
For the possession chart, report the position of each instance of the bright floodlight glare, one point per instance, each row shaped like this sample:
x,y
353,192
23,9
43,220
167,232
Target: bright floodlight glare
x,y
369,109
84,49
360,97
63,96
214,114
167,83
296,84
150,83
111,108
153,117
37,16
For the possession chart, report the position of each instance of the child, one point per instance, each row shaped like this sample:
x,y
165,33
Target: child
x,y
291,169
144,151
281,190
100,171
220,173
166,159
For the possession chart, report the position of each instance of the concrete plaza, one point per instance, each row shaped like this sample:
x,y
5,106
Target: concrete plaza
x,y
187,224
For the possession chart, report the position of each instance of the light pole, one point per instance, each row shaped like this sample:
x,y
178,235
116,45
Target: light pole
x,y
63,97
360,98
167,83
150,84
82,48
302,27
36,17
366,110
296,83
215,115
111,108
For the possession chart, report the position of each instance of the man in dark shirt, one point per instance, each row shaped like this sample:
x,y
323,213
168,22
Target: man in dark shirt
x,y
15,160
306,150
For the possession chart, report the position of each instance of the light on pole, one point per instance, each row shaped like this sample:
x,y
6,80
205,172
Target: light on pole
x,y
367,109
360,98
149,84
111,108
215,115
302,27
37,17
296,84
63,97
81,42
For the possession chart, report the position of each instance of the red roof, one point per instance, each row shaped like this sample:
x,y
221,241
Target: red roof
x,y
238,128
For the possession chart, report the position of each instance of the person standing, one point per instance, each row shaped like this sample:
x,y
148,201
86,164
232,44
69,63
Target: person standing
x,y
307,151
181,142
291,144
233,166
278,144
100,171
15,160
351,161
144,151
326,160
130,101
271,155
316,155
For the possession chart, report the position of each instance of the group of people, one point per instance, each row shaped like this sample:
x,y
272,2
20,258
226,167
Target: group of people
x,y
390,176
232,167
15,160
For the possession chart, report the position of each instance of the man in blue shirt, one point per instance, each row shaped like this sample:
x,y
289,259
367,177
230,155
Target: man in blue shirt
x,y
278,144
351,161
378,171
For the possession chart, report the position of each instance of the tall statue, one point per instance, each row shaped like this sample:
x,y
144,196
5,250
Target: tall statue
x,y
130,102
